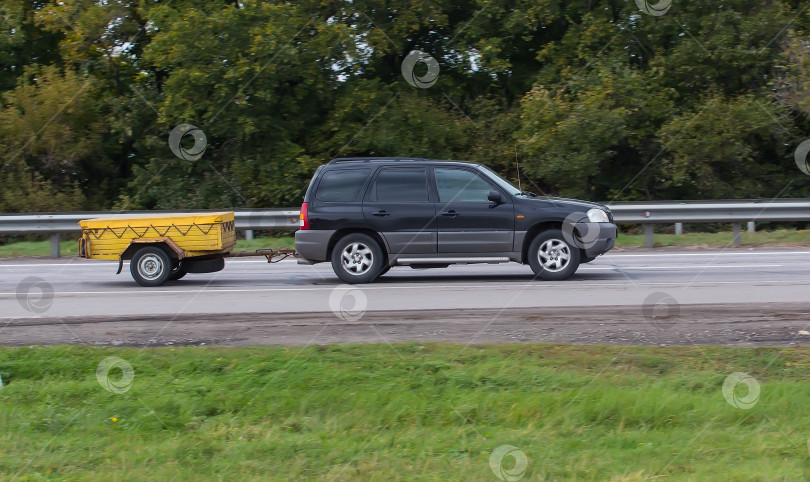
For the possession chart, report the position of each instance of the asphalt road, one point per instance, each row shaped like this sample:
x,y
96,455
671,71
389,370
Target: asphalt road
x,y
765,286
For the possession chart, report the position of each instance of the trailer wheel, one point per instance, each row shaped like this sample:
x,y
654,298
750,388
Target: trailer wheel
x,y
150,266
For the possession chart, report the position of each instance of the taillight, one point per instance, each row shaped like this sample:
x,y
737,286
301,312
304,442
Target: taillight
x,y
304,222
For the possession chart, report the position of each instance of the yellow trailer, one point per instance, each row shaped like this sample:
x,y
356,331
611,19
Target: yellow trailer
x,y
161,247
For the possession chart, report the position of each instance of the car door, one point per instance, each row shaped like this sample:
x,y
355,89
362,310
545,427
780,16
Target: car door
x,y
467,221
399,207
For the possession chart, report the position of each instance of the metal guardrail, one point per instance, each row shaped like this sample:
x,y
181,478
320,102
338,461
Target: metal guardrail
x,y
286,219
665,212
725,211
48,223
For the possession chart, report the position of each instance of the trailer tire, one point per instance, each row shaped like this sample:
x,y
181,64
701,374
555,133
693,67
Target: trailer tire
x,y
150,266
204,265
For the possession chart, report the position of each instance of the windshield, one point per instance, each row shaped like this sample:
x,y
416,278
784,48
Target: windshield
x,y
503,183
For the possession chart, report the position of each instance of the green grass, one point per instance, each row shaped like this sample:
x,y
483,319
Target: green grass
x,y
721,238
43,248
403,412
36,248
257,243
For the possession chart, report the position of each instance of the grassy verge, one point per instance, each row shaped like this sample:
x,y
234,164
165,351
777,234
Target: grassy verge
x,y
721,238
407,411
43,248
36,248
257,243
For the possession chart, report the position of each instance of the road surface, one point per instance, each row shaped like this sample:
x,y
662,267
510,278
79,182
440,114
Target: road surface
x,y
743,296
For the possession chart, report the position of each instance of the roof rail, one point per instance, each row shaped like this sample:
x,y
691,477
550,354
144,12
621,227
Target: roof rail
x,y
380,159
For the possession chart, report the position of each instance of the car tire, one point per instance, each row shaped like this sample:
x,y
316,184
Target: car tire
x,y
551,257
150,266
357,258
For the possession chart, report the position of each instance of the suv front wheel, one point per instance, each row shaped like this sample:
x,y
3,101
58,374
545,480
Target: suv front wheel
x,y
357,258
551,257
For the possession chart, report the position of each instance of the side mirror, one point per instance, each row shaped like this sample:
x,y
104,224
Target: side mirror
x,y
495,197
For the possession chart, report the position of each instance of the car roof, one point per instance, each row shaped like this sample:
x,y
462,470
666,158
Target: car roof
x,y
395,160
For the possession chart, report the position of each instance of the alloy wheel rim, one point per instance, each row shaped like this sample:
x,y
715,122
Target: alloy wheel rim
x,y
357,259
554,255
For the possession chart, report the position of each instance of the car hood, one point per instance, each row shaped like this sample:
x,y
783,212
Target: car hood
x,y
563,203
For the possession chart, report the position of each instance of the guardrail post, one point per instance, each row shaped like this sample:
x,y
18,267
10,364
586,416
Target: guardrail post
x,y
648,235
55,239
736,228
752,227
248,234
678,228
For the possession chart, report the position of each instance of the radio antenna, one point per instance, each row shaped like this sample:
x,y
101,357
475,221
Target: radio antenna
x,y
517,167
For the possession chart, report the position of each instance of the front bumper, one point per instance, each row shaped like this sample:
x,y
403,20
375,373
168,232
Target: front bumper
x,y
596,238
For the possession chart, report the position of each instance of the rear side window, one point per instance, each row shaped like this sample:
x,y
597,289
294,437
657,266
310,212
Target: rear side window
x,y
402,185
342,185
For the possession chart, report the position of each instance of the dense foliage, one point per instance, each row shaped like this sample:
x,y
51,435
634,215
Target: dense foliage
x,y
597,99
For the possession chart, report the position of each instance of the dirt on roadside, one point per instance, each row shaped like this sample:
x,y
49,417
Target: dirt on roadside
x,y
721,324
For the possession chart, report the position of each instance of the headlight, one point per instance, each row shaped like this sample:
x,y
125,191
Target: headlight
x,y
597,216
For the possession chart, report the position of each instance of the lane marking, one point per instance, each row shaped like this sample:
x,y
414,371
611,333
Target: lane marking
x,y
597,266
750,253
544,285
98,263
704,266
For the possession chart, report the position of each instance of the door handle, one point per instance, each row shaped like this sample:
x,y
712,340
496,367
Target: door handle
x,y
380,213
451,213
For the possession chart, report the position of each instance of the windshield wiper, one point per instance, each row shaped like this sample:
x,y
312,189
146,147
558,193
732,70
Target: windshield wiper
x,y
525,193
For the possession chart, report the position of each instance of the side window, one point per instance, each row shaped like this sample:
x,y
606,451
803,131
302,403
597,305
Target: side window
x,y
402,185
342,185
458,185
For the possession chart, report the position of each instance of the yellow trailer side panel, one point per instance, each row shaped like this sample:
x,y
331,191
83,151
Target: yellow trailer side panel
x,y
197,234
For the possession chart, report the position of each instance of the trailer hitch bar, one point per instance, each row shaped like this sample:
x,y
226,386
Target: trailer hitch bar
x,y
282,253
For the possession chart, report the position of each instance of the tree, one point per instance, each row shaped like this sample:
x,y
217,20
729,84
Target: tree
x,y
722,148
51,125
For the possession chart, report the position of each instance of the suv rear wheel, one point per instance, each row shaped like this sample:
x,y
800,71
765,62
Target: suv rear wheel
x,y
357,258
551,257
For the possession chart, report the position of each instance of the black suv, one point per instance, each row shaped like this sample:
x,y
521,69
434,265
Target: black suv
x,y
366,215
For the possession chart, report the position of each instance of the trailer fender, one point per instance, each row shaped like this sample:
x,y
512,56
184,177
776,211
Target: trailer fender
x,y
170,246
